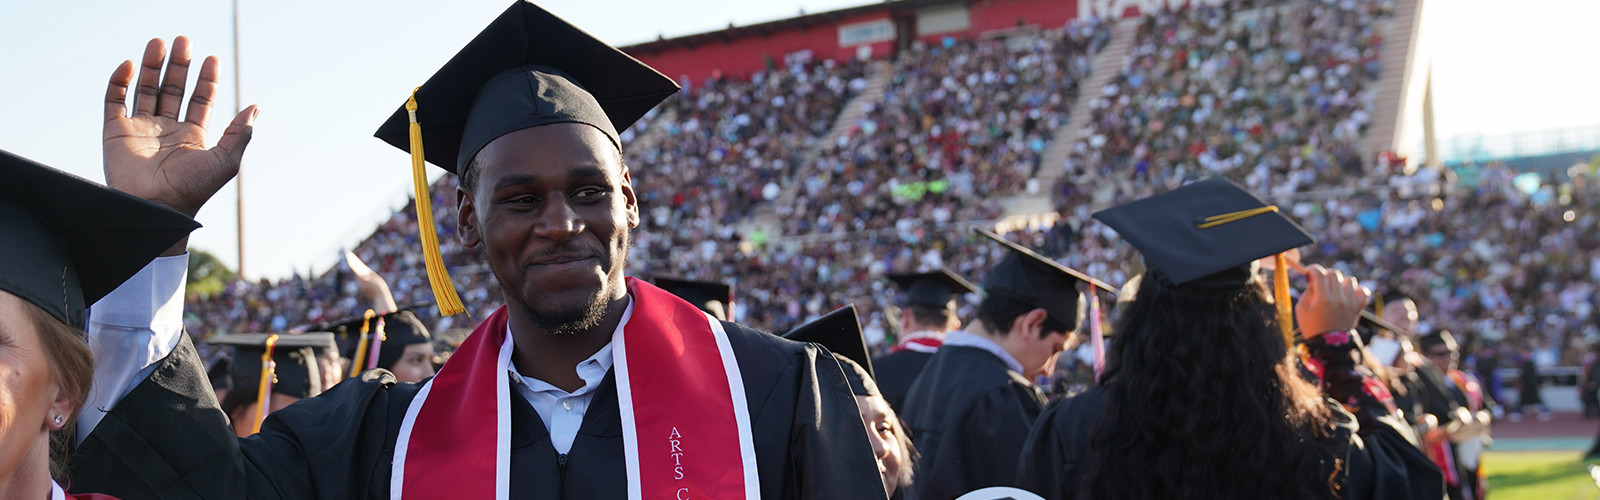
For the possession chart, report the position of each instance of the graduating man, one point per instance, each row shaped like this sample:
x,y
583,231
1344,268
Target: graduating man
x,y
585,385
970,410
927,312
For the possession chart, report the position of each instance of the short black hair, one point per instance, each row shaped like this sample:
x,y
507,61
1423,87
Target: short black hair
x,y
998,312
469,175
929,315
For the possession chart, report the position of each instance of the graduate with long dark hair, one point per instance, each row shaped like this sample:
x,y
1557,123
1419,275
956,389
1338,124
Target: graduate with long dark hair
x,y
1203,397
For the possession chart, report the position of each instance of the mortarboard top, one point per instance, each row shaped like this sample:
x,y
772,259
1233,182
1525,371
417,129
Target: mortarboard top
x,y
68,241
294,357
526,68
1038,280
700,293
840,332
933,289
1211,229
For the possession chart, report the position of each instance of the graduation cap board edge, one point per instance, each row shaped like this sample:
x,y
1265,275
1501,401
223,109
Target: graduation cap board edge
x,y
931,289
257,356
69,241
840,332
1025,251
1042,282
701,294
527,68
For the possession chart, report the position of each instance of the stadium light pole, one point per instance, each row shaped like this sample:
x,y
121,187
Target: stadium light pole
x,y
238,179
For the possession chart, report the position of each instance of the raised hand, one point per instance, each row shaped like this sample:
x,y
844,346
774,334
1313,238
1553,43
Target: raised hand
x,y
372,285
1332,302
152,154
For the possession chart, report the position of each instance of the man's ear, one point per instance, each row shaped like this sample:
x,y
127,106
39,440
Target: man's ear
x,y
1031,323
466,219
630,200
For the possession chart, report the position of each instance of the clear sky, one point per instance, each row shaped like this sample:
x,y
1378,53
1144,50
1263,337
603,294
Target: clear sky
x,y
326,73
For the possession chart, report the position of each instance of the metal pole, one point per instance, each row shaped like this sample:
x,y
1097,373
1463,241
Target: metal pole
x,y
238,104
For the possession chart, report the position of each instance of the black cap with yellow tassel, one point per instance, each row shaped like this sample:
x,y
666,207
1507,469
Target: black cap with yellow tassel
x,y
1208,235
527,68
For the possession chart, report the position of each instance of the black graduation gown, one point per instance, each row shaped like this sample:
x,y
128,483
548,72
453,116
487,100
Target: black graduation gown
x,y
167,439
969,416
894,373
1435,394
1380,462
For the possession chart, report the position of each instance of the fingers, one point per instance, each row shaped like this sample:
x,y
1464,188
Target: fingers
x,y
1316,279
117,91
204,88
237,135
172,85
146,94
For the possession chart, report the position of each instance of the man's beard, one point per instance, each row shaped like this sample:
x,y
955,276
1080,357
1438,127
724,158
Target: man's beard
x,y
579,319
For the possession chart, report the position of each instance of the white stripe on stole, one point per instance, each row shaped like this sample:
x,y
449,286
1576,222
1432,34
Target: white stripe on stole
x,y
502,441
741,410
502,475
630,438
397,475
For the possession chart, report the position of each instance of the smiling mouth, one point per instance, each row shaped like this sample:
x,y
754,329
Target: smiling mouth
x,y
564,260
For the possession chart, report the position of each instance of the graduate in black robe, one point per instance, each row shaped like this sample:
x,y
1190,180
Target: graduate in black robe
x,y
1202,398
167,438
970,410
927,313
531,107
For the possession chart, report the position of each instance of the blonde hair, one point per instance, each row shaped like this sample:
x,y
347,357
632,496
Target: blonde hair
x,y
72,368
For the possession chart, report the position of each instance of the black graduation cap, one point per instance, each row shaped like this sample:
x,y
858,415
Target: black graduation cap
x,y
400,329
712,297
65,242
937,289
296,372
1038,280
527,68
1435,339
1370,324
840,332
1393,292
1211,229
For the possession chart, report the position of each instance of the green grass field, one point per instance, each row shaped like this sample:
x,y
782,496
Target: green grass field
x,y
1539,475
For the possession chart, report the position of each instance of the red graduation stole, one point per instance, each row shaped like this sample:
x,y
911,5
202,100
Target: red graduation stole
x,y
56,493
685,421
922,341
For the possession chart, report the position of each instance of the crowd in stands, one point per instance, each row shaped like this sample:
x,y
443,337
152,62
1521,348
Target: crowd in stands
x,y
1275,97
1272,95
961,124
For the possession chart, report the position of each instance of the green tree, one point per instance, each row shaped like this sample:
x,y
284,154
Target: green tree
x,y
207,274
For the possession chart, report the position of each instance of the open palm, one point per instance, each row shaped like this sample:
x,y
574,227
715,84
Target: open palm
x,y
152,154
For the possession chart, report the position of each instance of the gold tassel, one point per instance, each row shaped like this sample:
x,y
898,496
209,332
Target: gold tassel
x,y
263,389
1280,295
1217,220
361,345
444,292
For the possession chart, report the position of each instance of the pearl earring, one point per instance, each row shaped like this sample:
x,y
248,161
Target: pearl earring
x,y
58,419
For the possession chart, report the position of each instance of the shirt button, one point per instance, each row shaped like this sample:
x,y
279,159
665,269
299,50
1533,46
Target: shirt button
x,y
566,403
